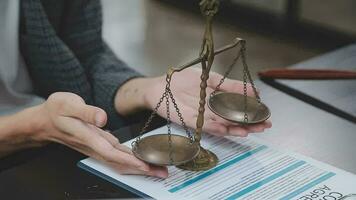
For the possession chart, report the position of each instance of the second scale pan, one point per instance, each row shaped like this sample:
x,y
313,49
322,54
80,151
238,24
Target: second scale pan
x,y
230,106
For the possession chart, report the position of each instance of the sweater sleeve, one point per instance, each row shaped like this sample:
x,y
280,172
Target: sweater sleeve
x,y
81,30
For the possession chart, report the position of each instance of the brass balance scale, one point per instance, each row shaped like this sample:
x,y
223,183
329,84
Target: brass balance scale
x,y
185,152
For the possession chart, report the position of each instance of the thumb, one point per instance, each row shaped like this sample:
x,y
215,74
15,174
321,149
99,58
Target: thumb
x,y
77,108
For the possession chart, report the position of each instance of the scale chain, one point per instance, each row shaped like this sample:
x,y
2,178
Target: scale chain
x,y
226,74
169,125
242,54
154,112
246,75
244,63
166,95
245,93
180,117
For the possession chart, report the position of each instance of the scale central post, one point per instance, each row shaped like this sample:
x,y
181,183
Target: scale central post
x,y
205,159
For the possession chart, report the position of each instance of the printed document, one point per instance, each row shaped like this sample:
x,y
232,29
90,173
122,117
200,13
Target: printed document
x,y
248,169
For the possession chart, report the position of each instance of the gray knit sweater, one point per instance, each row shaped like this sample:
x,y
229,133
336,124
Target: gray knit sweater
x,y
61,42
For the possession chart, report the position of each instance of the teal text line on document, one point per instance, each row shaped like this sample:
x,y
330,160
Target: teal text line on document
x,y
216,169
309,185
266,180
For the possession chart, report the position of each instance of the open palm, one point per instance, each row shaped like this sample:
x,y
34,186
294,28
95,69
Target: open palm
x,y
185,87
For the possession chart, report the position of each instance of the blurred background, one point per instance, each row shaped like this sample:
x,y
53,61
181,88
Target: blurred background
x,y
151,35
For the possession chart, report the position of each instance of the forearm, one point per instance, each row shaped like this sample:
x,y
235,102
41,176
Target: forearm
x,y
17,131
108,74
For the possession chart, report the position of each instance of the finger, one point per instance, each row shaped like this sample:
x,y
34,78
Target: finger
x,y
114,141
124,161
121,155
215,128
115,155
243,131
126,167
160,172
87,136
267,124
78,109
210,115
237,131
124,148
257,128
98,144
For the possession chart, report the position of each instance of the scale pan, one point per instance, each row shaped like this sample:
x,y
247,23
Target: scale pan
x,y
155,150
230,106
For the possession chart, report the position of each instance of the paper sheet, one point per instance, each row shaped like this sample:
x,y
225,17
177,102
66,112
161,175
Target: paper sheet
x,y
248,169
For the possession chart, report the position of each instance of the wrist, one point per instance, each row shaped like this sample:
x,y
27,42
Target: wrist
x,y
29,123
134,95
35,120
151,89
19,131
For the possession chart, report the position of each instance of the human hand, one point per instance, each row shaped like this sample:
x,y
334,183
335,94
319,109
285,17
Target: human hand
x,y
185,86
65,118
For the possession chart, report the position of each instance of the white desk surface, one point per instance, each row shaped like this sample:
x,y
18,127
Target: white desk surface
x,y
311,131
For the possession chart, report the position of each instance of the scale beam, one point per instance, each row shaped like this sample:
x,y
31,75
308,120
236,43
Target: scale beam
x,y
232,45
